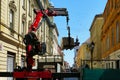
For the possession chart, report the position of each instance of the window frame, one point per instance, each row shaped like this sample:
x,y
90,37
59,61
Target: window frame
x,y
23,3
117,32
112,37
23,28
11,19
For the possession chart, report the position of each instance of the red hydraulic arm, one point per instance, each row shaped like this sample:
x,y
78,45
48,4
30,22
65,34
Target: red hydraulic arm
x,y
49,12
31,39
33,46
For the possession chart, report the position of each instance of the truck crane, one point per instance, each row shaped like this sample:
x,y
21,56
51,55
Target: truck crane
x,y
33,46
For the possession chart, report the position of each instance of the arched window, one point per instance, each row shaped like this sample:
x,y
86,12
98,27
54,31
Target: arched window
x,y
117,32
23,4
11,20
23,27
112,36
29,8
12,10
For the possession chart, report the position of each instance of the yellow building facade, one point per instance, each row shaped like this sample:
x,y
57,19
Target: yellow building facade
x,y
95,36
111,34
83,55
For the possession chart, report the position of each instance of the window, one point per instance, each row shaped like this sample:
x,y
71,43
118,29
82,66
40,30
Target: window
x,y
107,43
11,19
23,23
23,4
111,3
10,64
23,61
117,3
23,28
112,65
29,7
102,47
117,32
106,65
112,36
44,2
117,64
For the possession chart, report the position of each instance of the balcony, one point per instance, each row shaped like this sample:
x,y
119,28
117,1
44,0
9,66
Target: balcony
x,y
51,62
51,59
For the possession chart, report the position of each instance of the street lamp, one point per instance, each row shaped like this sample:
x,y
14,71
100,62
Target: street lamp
x,y
92,45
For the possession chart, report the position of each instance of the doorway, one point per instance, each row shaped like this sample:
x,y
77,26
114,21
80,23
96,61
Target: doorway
x,y
10,63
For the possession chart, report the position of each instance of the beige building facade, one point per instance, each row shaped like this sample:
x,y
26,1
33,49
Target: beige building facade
x,y
95,36
84,53
16,16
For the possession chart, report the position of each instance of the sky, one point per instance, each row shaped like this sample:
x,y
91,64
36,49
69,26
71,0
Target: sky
x,y
81,14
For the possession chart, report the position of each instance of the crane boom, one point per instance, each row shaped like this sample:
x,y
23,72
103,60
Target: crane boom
x,y
33,46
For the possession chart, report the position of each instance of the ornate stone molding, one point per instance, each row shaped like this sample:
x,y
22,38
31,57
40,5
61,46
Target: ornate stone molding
x,y
13,6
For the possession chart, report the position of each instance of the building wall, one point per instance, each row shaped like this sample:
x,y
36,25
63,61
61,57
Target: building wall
x,y
47,31
111,31
55,41
8,41
83,55
75,55
79,56
56,48
95,33
11,39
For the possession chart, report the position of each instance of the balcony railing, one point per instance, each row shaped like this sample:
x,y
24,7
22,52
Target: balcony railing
x,y
51,59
